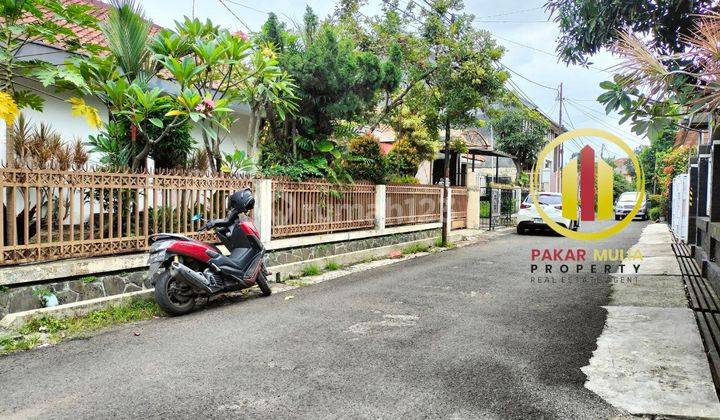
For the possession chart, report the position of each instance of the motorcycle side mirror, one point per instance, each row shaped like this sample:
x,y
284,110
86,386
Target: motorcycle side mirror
x,y
197,217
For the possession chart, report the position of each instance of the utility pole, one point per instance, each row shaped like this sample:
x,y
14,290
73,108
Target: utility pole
x,y
445,209
561,105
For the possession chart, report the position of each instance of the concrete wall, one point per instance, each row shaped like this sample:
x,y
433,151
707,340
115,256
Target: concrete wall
x,y
57,113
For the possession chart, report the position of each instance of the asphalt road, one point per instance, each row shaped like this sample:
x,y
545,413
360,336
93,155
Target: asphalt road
x,y
461,334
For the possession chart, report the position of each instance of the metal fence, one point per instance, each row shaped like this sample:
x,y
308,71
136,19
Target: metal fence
x,y
412,204
458,207
301,208
66,214
498,205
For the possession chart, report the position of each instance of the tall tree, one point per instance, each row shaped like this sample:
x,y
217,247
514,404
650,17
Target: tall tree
x,y
521,132
337,82
467,76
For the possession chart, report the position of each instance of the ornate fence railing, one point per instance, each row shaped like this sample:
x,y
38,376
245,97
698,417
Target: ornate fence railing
x,y
66,214
412,204
301,208
458,207
61,214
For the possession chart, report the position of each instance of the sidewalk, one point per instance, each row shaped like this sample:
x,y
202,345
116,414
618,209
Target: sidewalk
x,y
650,358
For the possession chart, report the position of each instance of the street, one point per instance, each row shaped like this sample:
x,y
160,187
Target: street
x,y
463,334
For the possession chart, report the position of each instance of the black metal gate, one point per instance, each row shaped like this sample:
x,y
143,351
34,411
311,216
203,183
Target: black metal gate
x,y
497,207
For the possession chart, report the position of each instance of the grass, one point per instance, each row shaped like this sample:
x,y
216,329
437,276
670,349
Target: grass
x,y
332,266
311,270
88,279
49,329
439,244
415,248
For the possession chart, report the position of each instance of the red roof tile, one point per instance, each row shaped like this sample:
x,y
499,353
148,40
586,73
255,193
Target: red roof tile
x,y
85,35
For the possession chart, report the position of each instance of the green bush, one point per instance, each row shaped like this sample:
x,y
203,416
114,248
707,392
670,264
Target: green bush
x,y
415,248
654,214
366,161
485,209
332,266
404,179
311,270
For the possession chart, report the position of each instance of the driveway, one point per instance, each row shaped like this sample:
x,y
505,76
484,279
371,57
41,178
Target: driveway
x,y
464,333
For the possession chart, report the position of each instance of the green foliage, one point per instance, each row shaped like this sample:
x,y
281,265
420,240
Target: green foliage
x,y
621,185
403,179
457,145
484,209
88,279
24,20
439,244
672,163
239,162
587,26
332,266
415,249
649,156
336,82
367,161
521,132
655,213
659,202
413,146
311,270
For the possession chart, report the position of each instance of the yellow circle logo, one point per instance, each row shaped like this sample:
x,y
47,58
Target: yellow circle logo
x,y
588,176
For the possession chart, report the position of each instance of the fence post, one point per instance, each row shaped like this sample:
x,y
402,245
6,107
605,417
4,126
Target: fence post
x,y
380,199
473,201
262,214
448,213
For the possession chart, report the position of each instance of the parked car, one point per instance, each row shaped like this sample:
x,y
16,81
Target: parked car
x,y
625,204
528,217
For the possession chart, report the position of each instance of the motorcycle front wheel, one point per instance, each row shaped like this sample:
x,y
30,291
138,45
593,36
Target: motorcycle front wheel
x,y
263,284
174,297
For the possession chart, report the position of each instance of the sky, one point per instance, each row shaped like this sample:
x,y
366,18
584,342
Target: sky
x,y
521,26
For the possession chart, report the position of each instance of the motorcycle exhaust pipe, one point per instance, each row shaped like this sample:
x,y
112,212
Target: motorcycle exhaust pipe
x,y
193,278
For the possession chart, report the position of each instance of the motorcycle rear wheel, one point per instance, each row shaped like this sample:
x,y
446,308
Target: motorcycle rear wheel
x,y
174,297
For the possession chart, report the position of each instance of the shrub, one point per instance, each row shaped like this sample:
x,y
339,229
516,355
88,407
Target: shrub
x,y
404,179
654,214
311,270
415,144
415,248
332,266
366,162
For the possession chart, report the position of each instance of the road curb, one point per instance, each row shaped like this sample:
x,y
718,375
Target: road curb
x,y
17,319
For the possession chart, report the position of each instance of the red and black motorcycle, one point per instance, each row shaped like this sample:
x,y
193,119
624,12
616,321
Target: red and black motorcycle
x,y
184,270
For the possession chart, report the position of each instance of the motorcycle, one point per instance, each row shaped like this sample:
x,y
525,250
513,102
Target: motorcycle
x,y
185,270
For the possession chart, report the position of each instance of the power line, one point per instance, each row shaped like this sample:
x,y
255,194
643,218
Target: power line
x,y
514,12
235,15
527,79
615,129
247,7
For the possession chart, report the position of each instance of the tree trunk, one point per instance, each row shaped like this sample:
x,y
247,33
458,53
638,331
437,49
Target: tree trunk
x,y
251,130
139,160
446,184
256,129
208,150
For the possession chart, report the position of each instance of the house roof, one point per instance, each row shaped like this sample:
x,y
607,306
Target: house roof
x,y
85,35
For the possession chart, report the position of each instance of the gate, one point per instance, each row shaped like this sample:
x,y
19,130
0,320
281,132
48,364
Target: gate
x,y
498,206
680,206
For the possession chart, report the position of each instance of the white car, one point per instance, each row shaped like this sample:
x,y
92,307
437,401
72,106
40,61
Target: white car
x,y
528,217
626,202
